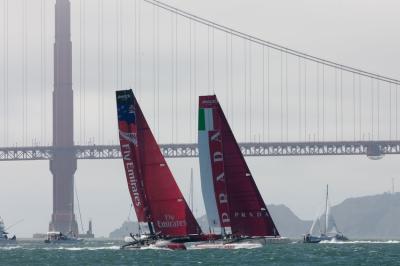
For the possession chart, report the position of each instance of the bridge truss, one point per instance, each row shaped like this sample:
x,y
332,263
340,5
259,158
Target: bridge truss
x,y
373,149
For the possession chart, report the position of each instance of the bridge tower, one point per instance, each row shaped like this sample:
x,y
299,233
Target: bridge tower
x,y
64,163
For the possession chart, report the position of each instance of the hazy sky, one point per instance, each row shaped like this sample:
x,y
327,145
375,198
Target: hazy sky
x,y
362,34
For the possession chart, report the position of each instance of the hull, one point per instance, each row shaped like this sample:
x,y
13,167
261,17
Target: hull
x,y
159,244
7,241
171,243
241,243
317,239
64,241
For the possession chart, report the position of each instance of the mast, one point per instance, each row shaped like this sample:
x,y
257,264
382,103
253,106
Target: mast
x,y
326,211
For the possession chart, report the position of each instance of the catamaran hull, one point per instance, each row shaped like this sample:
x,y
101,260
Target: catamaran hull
x,y
318,239
161,244
246,243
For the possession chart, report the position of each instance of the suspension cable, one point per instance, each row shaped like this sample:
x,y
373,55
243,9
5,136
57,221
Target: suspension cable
x,y
176,79
263,93
287,97
281,88
250,90
270,44
154,68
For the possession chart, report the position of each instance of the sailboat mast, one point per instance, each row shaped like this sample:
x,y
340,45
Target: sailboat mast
x,y
326,210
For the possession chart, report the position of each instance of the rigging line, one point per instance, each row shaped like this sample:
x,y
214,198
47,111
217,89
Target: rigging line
x,y
269,44
79,208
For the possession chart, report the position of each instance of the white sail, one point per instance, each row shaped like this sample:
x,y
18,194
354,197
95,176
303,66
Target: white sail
x,y
331,227
207,183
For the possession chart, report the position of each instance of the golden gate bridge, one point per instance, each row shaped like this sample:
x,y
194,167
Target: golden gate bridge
x,y
280,101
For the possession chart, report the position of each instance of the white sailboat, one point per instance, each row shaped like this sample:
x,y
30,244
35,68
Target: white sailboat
x,y
4,235
324,227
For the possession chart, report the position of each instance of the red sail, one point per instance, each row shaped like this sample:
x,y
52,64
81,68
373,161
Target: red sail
x,y
168,210
128,142
248,214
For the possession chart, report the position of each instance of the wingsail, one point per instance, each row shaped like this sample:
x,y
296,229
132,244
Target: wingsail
x,y
154,192
232,200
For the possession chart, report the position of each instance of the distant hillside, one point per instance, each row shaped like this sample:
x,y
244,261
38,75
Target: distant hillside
x,y
126,228
369,217
375,216
288,224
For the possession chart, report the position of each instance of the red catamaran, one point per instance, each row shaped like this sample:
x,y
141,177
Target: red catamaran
x,y
158,202
234,206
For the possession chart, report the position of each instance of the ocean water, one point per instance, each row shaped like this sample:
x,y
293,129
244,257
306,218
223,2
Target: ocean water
x,y
108,253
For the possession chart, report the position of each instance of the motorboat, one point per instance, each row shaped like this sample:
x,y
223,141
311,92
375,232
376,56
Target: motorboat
x,y
55,237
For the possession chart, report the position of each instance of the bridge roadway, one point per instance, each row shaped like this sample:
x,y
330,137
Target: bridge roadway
x,y
373,149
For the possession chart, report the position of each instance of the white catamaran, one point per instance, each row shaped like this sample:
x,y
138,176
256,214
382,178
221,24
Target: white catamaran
x,y
324,226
